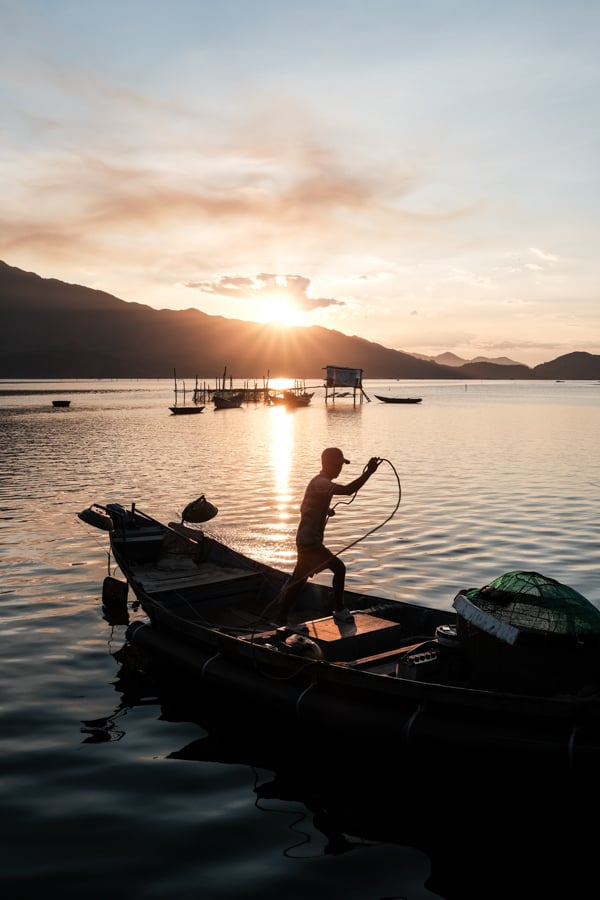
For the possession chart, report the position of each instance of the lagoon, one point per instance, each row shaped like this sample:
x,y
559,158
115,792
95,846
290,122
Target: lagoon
x,y
478,479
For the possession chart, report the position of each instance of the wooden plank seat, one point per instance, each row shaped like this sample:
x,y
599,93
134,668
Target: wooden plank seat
x,y
171,574
386,660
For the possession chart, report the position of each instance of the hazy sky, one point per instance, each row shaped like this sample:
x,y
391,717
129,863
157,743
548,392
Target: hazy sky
x,y
421,174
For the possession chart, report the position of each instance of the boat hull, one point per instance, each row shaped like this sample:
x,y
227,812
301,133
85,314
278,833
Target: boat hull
x,y
396,675
186,410
466,731
385,399
291,398
233,401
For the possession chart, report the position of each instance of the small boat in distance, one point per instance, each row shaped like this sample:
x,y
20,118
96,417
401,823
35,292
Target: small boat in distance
x,y
291,398
61,403
398,399
227,400
184,410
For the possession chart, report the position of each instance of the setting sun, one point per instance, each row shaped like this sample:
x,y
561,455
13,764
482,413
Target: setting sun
x,y
279,310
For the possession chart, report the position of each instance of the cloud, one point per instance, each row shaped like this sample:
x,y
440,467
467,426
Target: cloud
x,y
547,257
266,286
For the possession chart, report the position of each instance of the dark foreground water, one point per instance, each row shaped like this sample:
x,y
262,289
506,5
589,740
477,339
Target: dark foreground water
x,y
116,785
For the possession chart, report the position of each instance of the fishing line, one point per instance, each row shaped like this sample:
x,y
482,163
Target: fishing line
x,y
289,582
376,527
381,524
371,531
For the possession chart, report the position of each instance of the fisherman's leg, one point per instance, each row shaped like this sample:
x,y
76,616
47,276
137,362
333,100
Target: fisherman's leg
x,y
290,594
338,582
311,559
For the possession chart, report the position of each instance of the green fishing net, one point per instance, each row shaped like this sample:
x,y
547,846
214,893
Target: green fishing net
x,y
535,603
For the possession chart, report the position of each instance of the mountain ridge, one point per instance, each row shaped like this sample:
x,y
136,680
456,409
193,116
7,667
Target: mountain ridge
x,y
53,329
451,359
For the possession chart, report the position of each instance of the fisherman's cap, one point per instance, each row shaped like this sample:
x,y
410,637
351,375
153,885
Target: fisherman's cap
x,y
333,454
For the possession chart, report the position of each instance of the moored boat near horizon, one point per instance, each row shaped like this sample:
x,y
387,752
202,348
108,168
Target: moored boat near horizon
x,y
509,678
228,399
181,409
185,410
291,398
390,399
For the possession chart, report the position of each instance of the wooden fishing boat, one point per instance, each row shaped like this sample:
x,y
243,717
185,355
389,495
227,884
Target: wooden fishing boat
x,y
385,399
227,397
228,400
291,398
353,795
186,410
462,686
181,409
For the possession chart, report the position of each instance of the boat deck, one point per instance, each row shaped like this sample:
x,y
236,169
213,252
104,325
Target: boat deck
x,y
366,636
182,573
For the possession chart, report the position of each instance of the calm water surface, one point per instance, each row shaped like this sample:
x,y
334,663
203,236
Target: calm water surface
x,y
115,786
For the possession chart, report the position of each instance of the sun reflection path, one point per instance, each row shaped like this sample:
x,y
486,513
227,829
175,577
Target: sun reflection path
x,y
281,444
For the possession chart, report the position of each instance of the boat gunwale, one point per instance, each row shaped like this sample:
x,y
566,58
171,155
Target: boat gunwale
x,y
576,710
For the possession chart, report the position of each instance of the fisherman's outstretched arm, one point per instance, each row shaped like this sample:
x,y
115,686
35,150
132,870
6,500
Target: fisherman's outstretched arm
x,y
355,485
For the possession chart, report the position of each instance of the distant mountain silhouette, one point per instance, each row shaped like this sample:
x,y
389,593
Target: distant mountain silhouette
x,y
451,359
584,364
51,329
